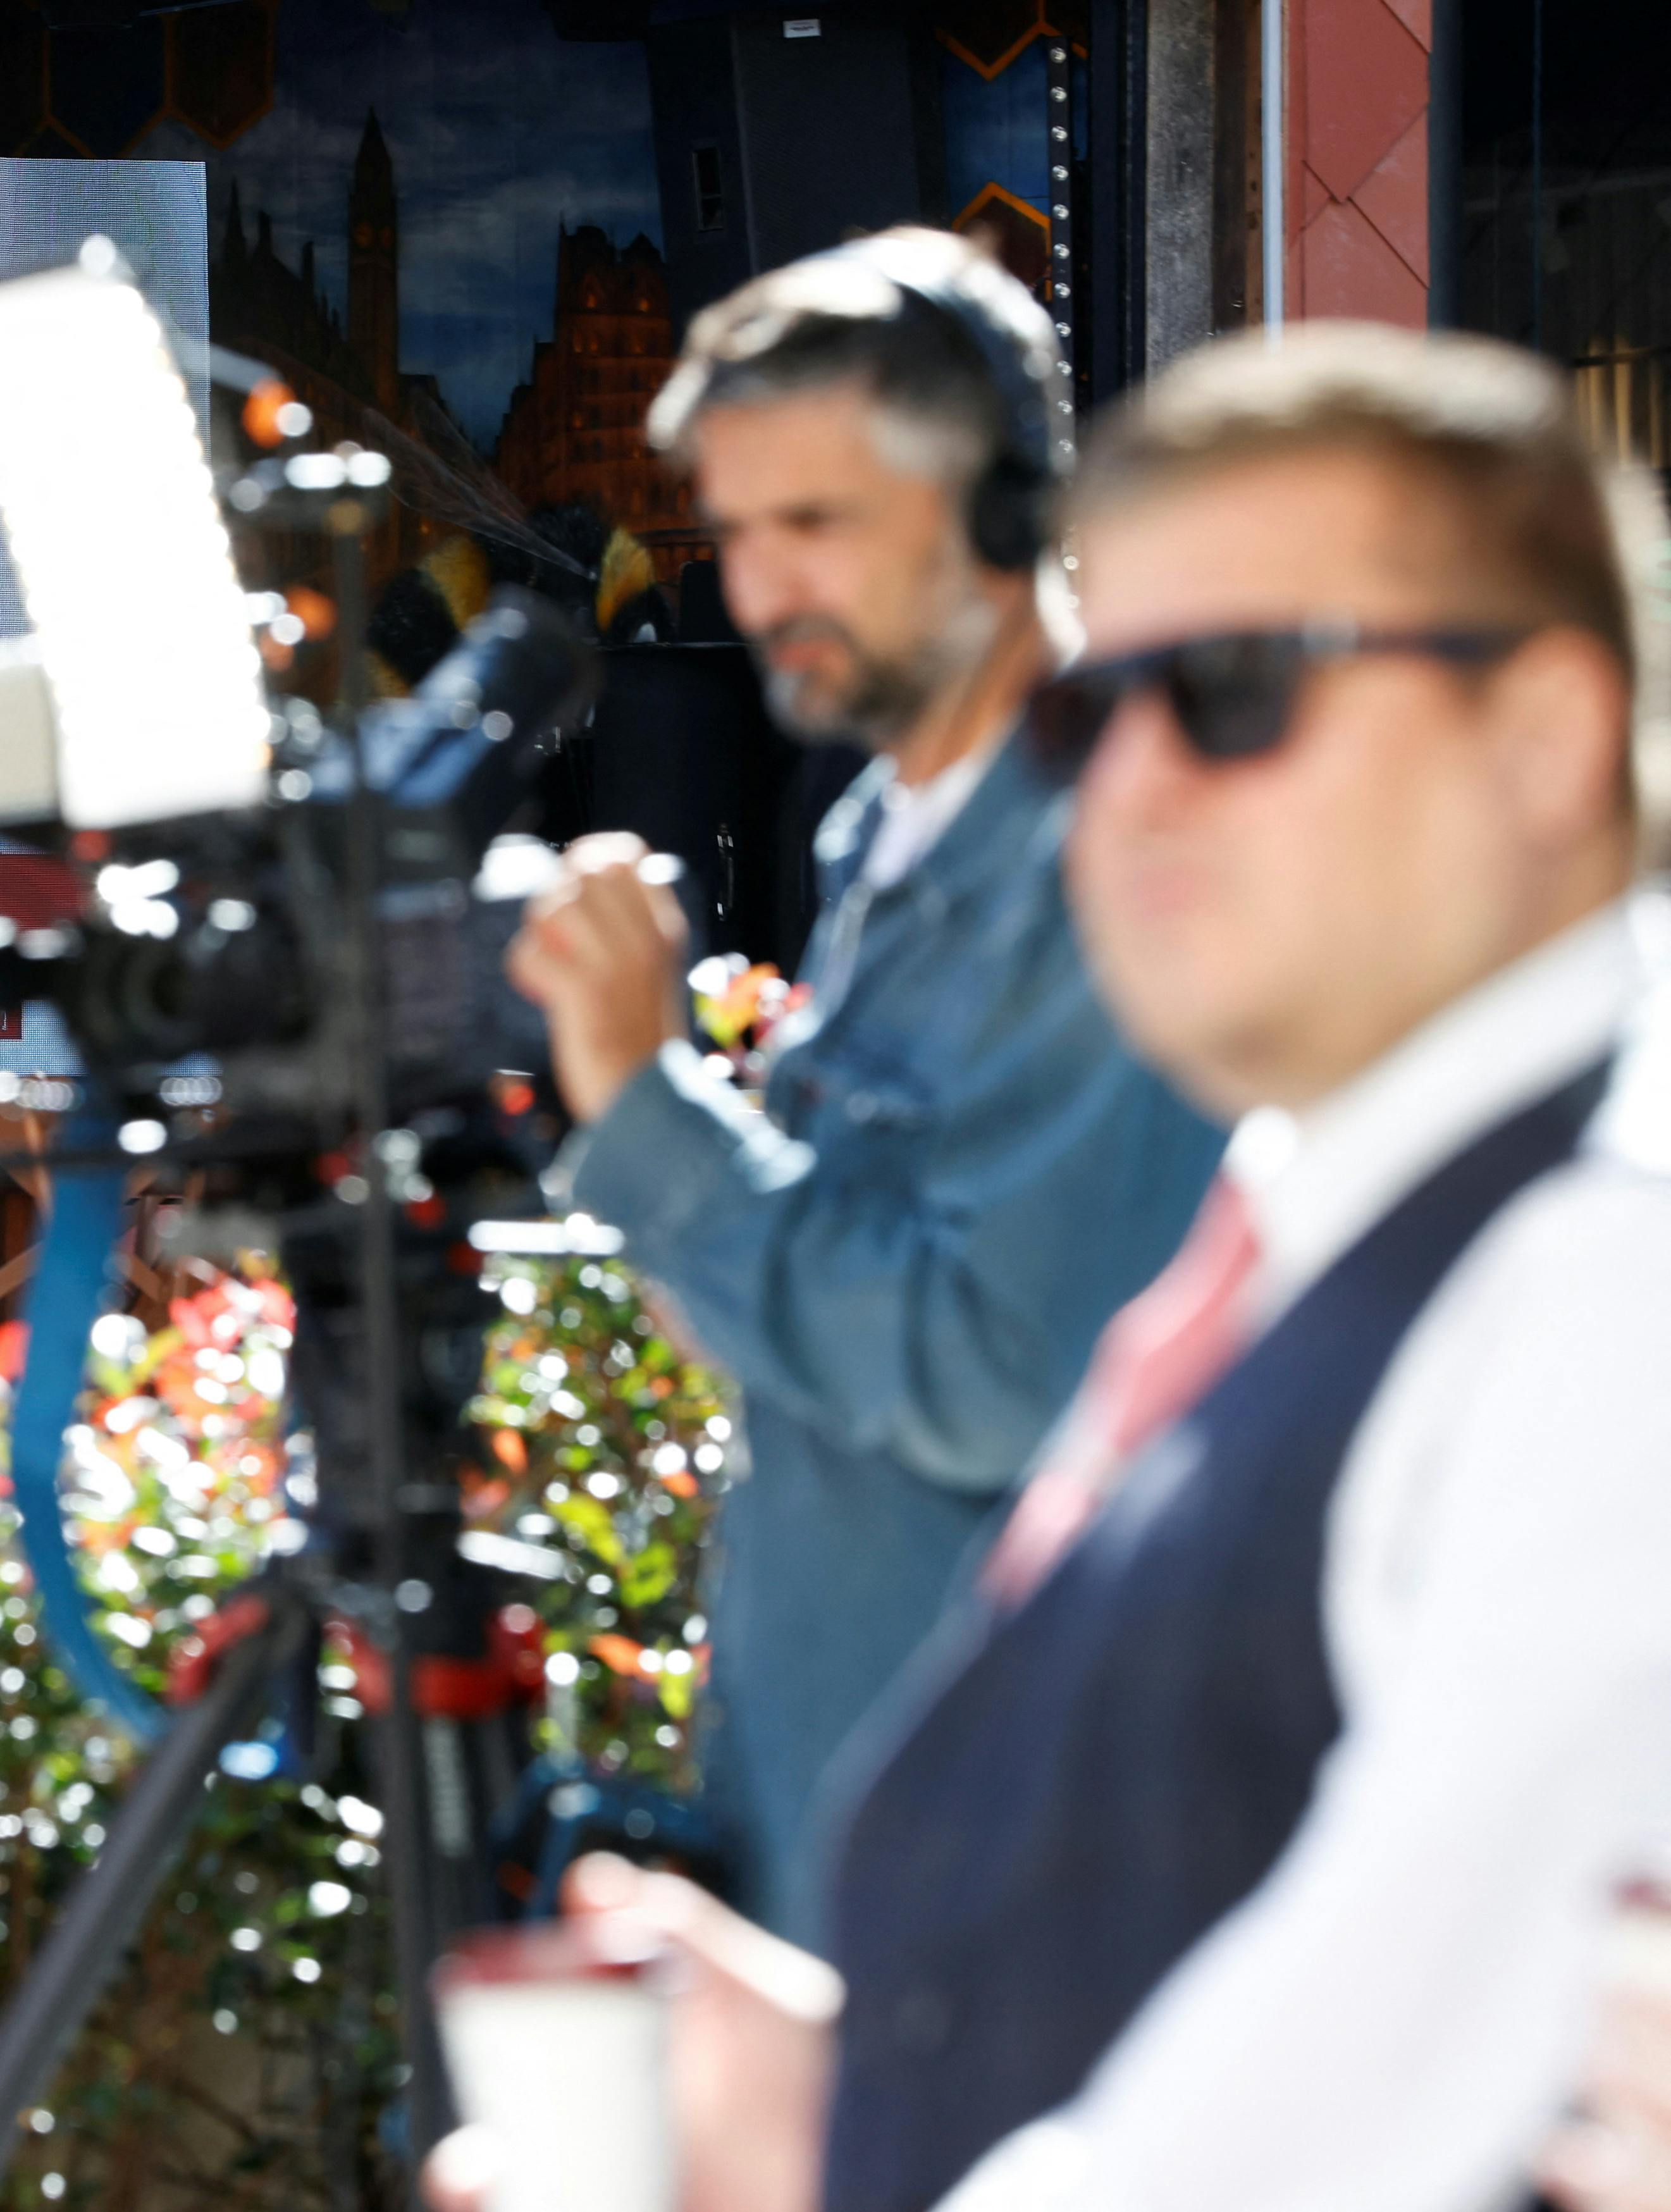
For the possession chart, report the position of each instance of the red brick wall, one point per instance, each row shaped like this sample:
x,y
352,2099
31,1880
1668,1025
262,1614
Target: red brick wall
x,y
1358,158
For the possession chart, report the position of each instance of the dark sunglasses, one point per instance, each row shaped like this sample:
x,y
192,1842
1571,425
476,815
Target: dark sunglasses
x,y
1232,695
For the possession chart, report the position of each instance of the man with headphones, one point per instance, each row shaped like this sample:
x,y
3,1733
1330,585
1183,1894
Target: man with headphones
x,y
960,1172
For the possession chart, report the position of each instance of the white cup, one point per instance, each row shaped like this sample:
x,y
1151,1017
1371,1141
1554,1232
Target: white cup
x,y
562,2059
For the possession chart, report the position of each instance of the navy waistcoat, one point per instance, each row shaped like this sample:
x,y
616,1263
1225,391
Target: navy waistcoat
x,y
1077,1792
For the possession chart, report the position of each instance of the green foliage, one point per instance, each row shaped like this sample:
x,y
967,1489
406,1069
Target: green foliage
x,y
609,1443
249,2051
244,2055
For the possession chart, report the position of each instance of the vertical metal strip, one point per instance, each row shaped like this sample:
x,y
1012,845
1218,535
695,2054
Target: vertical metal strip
x,y
1134,152
1115,323
1058,125
1444,167
1273,147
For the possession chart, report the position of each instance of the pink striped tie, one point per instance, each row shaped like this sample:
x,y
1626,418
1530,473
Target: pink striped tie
x,y
1153,1361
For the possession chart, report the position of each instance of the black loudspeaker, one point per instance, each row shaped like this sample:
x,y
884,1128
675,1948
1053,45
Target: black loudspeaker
x,y
680,750
778,134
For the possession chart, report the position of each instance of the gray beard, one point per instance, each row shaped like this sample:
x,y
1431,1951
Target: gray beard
x,y
888,697
876,716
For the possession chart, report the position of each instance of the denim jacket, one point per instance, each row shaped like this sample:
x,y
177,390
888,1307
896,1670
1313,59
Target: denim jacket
x,y
961,1172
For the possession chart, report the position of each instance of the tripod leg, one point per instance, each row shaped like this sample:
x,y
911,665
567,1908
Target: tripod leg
x,y
86,1947
419,1935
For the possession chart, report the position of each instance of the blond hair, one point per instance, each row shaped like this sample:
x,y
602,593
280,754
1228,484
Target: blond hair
x,y
1558,532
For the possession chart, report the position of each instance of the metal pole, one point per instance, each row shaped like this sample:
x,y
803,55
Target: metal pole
x,y
1272,131
407,1841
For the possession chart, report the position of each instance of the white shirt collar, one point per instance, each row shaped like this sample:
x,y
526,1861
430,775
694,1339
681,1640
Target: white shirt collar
x,y
1317,1181
913,816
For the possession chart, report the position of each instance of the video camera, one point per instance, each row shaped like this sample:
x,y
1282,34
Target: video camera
x,y
217,837
224,934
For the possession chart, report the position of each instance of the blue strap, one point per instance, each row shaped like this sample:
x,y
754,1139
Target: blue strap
x,y
65,1299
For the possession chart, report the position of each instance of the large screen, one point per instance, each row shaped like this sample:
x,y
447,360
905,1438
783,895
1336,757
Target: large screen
x,y
156,213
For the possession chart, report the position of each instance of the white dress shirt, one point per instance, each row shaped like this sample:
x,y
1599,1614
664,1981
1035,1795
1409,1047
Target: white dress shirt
x,y
1390,2021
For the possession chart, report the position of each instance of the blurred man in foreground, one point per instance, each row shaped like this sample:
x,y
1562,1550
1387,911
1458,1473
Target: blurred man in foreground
x,y
1251,1845
960,1169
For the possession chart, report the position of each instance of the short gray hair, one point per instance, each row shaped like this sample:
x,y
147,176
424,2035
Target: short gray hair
x,y
836,318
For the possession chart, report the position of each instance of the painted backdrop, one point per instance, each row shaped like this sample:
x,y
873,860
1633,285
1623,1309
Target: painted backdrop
x,y
423,208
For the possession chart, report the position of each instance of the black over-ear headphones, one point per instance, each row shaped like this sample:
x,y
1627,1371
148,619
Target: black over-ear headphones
x,y
1010,501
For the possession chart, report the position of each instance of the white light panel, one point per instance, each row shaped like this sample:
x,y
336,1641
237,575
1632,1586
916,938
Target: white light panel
x,y
125,567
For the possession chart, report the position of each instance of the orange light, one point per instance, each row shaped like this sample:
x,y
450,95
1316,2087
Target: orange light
x,y
316,613
262,410
509,1450
618,1653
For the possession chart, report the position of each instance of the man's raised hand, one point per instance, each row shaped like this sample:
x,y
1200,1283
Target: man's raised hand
x,y
603,952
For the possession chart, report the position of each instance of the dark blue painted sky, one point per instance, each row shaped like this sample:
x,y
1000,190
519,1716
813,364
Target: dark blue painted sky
x,y
995,127
498,130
